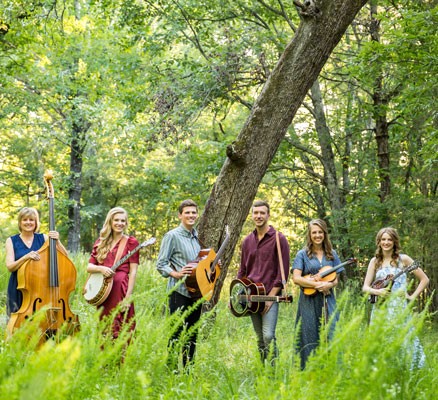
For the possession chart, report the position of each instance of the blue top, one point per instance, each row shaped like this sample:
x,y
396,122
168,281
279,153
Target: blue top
x,y
15,297
178,247
312,308
313,265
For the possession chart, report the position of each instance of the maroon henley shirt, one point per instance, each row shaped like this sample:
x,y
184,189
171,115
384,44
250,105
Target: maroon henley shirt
x,y
259,259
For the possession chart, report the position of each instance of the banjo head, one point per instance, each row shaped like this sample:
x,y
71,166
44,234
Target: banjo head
x,y
93,285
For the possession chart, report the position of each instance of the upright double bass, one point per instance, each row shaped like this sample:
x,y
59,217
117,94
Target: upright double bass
x,y
46,284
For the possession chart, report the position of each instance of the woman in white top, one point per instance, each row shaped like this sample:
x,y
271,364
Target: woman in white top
x,y
389,261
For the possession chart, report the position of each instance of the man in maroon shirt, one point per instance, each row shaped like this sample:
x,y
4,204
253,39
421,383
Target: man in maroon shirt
x,y
260,263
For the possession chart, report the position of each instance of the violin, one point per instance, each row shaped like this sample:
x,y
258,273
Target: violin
x,y
46,284
326,274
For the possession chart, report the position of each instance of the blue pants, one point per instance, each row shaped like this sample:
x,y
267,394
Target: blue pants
x,y
264,327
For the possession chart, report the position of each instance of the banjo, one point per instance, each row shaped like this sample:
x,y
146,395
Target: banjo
x,y
98,287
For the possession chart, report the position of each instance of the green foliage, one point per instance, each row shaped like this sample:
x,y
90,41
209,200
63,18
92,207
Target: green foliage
x,y
361,362
158,90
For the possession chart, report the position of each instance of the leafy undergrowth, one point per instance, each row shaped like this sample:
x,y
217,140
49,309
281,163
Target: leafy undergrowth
x,y
362,361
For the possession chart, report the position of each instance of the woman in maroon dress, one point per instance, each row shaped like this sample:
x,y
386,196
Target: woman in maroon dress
x,y
103,258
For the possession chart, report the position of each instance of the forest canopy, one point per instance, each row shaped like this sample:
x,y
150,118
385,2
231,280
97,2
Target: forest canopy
x,y
136,104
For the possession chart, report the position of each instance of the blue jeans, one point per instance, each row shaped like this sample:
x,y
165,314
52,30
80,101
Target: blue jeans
x,y
264,327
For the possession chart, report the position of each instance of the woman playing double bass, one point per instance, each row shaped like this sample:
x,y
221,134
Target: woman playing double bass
x,y
22,247
103,257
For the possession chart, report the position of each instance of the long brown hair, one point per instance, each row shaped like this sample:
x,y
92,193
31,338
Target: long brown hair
x,y
326,244
395,250
106,233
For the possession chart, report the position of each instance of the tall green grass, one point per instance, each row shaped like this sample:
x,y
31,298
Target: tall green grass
x,y
361,362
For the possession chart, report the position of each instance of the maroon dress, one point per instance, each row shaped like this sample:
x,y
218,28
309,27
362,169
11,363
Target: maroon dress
x,y
120,283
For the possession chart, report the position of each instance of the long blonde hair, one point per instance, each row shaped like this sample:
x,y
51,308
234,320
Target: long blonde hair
x,y
106,233
326,244
395,250
29,212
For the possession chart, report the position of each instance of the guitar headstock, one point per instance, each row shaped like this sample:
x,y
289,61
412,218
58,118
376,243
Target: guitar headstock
x,y
227,231
148,242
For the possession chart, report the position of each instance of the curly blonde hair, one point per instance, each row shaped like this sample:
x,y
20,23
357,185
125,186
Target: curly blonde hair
x,y
106,232
395,250
326,244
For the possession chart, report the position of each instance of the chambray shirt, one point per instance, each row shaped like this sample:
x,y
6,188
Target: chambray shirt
x,y
178,247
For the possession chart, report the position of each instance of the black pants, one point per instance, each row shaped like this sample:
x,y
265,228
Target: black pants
x,y
179,302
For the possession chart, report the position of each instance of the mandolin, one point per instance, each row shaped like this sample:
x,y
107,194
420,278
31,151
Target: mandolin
x,y
389,280
247,297
327,274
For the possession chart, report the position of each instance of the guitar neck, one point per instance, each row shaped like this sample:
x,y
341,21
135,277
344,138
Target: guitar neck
x,y
255,298
220,251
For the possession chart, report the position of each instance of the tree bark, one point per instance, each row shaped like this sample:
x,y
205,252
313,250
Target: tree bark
x,y
335,192
250,155
380,103
77,147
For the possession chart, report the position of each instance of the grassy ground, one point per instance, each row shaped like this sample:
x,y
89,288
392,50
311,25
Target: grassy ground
x,y
361,362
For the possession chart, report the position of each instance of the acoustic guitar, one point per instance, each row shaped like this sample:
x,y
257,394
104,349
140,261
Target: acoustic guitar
x,y
205,271
98,287
327,274
248,297
389,280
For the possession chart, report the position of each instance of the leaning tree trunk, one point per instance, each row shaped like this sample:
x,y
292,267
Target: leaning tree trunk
x,y
322,26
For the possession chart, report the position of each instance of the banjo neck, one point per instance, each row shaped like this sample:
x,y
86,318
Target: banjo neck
x,y
140,246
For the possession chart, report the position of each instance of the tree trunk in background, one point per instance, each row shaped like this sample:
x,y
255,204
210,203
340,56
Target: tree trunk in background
x,y
380,103
77,147
250,155
335,192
